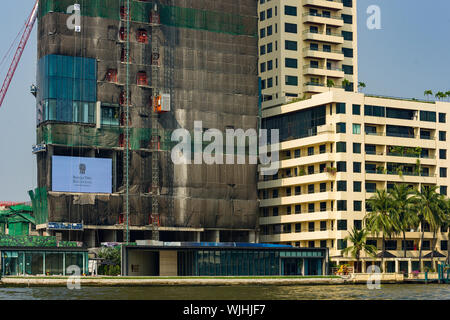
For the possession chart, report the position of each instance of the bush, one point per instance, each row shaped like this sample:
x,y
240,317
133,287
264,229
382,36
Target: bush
x,y
112,255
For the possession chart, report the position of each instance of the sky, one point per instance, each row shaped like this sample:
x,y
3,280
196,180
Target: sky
x,y
408,55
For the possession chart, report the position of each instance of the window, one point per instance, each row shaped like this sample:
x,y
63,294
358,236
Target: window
x,y
297,153
347,69
356,109
404,114
356,128
443,190
262,16
341,244
342,205
428,116
311,226
110,116
290,11
374,111
348,53
326,48
290,27
310,151
341,185
311,208
290,45
442,136
288,192
262,33
442,117
288,210
342,225
310,188
390,244
399,131
443,172
298,190
322,148
356,167
371,187
275,194
357,224
310,169
275,211
269,63
347,18
340,108
341,166
323,243
408,244
269,13
348,3
298,209
357,205
370,149
372,243
269,30
442,154
270,83
269,48
262,50
341,147
426,245
291,63
348,36
263,67
323,226
298,227
356,147
323,206
323,187
357,186
291,80
444,245
340,127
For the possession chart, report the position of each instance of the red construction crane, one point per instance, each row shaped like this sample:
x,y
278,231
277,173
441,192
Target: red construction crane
x,y
23,42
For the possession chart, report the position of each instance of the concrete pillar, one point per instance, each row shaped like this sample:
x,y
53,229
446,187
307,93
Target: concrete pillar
x,y
363,266
397,270
421,266
168,263
198,236
215,236
252,236
409,265
90,238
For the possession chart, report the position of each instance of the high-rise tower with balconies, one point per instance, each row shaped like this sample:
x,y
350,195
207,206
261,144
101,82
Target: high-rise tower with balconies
x,y
306,47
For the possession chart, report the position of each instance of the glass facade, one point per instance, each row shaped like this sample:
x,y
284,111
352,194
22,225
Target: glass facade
x,y
34,262
298,124
67,89
248,262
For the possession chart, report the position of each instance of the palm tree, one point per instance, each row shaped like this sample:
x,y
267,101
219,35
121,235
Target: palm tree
x,y
429,210
440,95
330,83
428,93
358,238
403,215
380,219
361,85
447,94
345,83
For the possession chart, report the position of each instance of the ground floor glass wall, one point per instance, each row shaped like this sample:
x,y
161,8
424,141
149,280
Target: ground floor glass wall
x,y
41,262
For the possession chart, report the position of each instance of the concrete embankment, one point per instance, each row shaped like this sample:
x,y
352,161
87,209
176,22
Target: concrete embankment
x,y
123,281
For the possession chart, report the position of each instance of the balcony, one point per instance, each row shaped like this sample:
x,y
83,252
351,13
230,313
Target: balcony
x,y
328,4
331,20
323,54
317,71
329,37
298,218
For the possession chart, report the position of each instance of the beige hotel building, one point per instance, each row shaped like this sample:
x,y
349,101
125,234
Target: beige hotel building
x,y
339,146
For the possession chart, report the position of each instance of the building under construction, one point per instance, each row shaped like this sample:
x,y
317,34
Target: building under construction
x,y
110,92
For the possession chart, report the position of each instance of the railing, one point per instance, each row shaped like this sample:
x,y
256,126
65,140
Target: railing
x,y
314,84
323,34
321,68
323,16
326,51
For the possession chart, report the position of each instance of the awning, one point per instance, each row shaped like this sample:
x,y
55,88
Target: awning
x,y
436,254
385,254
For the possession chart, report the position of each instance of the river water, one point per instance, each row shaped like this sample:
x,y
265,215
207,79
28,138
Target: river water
x,y
325,292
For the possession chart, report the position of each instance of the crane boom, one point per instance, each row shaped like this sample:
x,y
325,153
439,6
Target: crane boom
x,y
23,42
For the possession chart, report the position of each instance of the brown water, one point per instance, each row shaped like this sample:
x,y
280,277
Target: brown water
x,y
339,292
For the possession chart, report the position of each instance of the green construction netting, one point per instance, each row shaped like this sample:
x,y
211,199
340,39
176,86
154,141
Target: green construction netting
x,y
34,241
40,206
172,16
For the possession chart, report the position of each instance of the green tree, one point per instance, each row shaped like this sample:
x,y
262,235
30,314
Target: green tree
x,y
379,220
112,257
402,211
440,95
345,84
330,83
358,239
429,210
447,94
361,85
428,93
